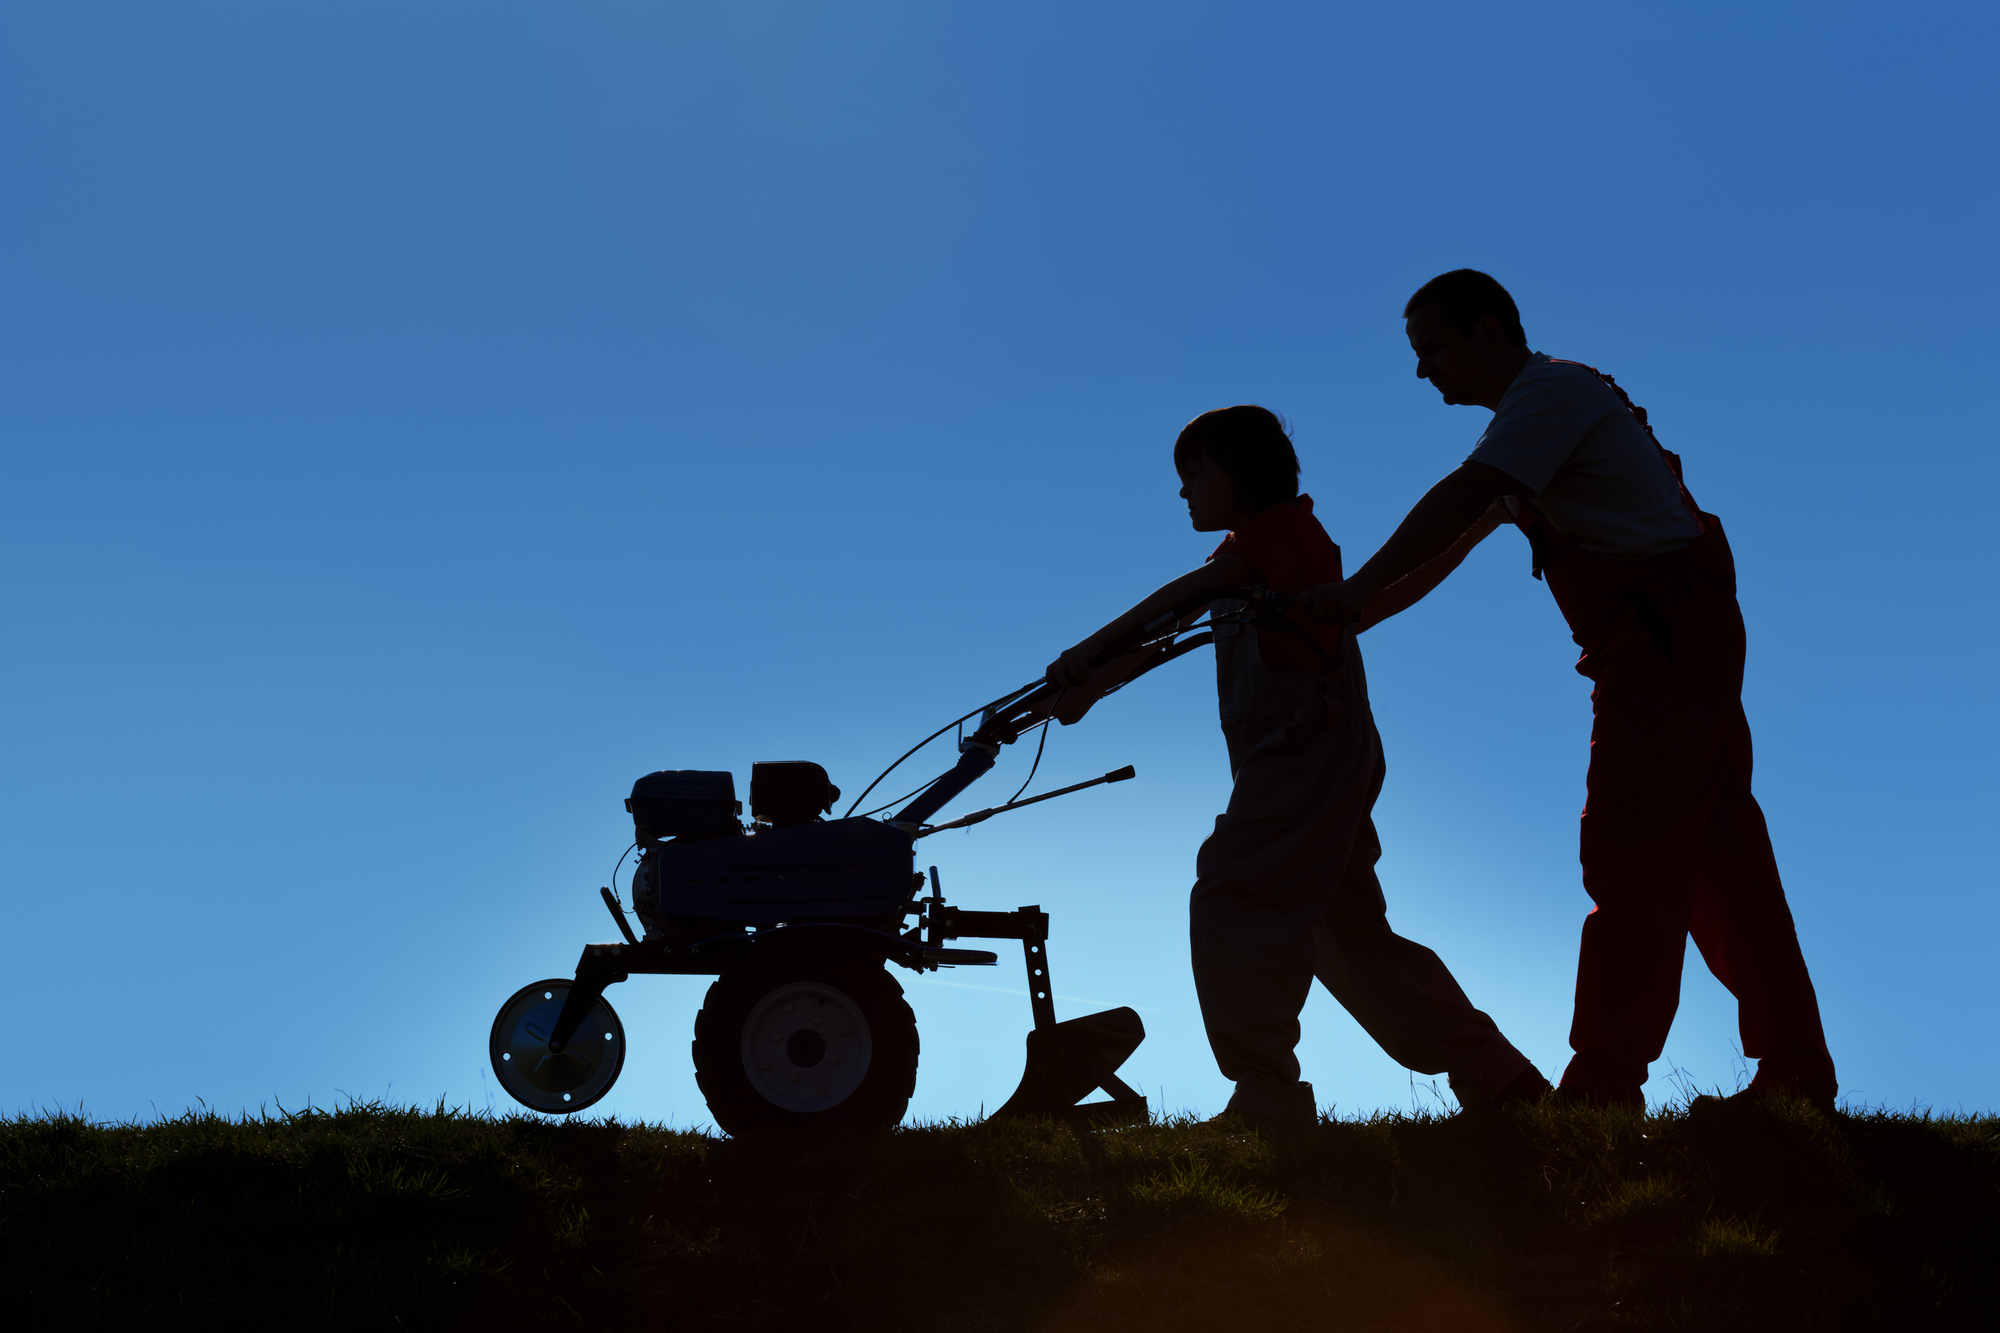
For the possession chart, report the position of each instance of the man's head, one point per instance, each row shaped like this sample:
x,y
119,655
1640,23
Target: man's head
x,y
1466,332
1235,462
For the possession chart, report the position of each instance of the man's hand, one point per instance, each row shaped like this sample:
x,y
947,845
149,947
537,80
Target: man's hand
x,y
1334,603
1448,512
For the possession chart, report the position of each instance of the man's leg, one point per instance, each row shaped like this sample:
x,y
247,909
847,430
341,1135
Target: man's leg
x,y
1401,993
1657,755
1744,929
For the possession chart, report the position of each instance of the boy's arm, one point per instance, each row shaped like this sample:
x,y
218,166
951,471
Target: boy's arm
x,y
1072,671
1416,585
1069,706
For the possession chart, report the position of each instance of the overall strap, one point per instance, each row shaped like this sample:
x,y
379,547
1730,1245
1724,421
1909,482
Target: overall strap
x,y
1639,413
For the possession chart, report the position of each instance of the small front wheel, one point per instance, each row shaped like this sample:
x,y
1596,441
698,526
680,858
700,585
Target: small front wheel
x,y
536,1077
797,1037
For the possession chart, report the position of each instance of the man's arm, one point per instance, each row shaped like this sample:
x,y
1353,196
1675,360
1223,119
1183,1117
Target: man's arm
x,y
1413,587
1444,515
1072,671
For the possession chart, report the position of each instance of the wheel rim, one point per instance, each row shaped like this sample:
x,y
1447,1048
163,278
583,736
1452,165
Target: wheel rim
x,y
806,1047
540,1079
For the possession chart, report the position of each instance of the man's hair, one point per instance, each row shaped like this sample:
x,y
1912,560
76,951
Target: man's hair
x,y
1465,296
1252,445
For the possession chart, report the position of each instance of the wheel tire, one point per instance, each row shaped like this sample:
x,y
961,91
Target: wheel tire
x,y
554,1084
806,1036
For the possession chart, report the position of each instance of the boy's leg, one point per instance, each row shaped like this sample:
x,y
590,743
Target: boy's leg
x,y
1251,994
1401,993
1303,787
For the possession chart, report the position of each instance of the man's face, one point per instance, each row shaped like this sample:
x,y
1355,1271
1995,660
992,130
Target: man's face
x,y
1475,370
1447,358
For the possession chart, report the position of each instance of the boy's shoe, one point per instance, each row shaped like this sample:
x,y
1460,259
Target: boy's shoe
x,y
1528,1089
1273,1104
1630,1101
1265,1125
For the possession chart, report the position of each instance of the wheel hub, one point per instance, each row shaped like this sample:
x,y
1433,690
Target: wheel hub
x,y
806,1047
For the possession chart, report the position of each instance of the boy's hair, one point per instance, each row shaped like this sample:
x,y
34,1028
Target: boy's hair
x,y
1465,296
1252,445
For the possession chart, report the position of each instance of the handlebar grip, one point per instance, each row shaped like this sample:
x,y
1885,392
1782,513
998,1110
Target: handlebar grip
x,y
1160,624
1116,651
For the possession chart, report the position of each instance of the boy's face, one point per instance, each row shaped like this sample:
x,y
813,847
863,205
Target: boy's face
x,y
1211,496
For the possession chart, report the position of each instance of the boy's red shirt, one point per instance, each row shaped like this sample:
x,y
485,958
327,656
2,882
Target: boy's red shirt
x,y
1291,552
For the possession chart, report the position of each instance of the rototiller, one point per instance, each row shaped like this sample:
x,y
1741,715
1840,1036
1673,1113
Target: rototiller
x,y
797,917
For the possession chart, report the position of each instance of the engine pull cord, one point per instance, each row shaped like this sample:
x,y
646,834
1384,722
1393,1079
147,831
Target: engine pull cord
x,y
616,908
620,866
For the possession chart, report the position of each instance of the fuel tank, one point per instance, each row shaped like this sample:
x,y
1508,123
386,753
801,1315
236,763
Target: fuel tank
x,y
835,870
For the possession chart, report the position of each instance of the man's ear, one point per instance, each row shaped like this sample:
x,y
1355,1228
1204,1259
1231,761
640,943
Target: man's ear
x,y
1490,332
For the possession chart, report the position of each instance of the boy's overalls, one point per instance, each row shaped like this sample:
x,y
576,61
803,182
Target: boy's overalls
x,y
1285,889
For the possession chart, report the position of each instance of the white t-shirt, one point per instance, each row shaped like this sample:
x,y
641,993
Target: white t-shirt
x,y
1586,462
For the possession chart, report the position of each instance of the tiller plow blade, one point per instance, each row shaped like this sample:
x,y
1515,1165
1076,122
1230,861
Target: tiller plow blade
x,y
1069,1061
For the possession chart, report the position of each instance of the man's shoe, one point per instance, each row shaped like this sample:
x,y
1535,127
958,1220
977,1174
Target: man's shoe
x,y
1711,1104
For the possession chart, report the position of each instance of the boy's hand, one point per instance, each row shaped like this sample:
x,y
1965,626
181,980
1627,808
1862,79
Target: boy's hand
x,y
1071,705
1333,603
1071,671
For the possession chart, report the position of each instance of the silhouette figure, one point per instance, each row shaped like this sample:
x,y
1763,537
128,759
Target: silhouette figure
x,y
1285,887
1673,843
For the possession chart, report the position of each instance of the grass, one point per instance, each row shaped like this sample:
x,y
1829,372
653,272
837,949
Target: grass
x,y
1544,1218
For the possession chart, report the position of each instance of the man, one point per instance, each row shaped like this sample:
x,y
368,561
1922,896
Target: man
x,y
1673,843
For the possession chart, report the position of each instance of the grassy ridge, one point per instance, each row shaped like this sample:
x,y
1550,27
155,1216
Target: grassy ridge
x,y
1548,1218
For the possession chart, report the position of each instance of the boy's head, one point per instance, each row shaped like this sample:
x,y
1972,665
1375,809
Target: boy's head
x,y
1251,447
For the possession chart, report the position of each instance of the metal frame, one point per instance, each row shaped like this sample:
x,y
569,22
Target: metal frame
x,y
1066,1061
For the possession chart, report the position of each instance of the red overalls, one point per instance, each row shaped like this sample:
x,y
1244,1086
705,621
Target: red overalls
x,y
1673,842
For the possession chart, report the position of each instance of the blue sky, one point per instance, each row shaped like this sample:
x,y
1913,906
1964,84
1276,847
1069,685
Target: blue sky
x,y
421,420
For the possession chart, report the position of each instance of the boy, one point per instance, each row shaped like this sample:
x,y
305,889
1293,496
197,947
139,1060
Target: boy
x,y
1285,887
